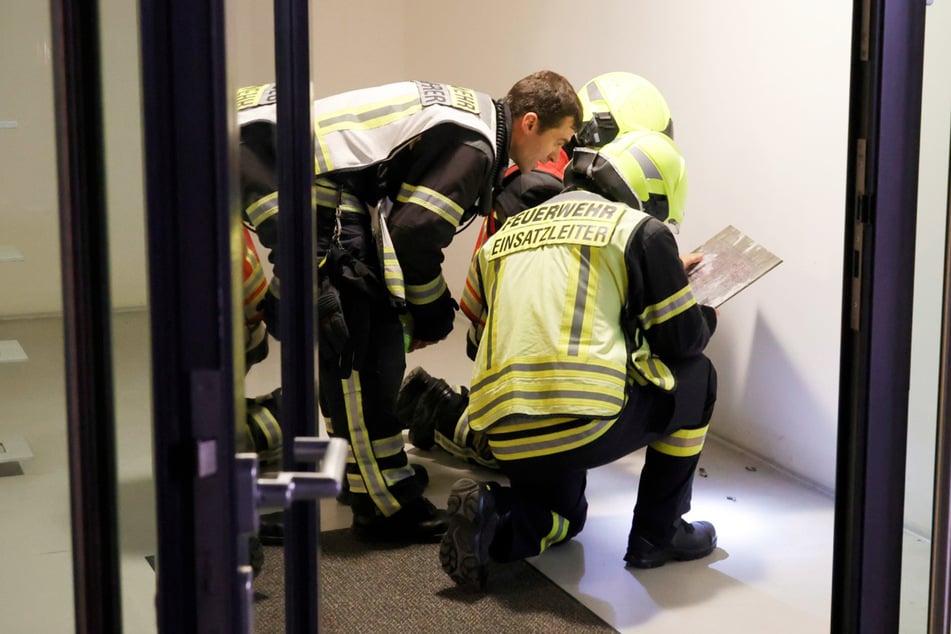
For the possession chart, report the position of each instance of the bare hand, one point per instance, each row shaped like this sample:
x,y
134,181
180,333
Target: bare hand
x,y
416,344
691,260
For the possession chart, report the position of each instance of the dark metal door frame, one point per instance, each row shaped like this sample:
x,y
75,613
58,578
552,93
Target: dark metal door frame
x,y
295,160
193,232
882,183
84,246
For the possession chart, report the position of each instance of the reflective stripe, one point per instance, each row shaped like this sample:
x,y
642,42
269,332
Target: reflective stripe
x,y
682,443
363,127
581,300
254,289
651,368
550,367
583,389
670,307
426,293
391,476
546,444
370,116
647,165
355,483
430,199
463,452
254,286
392,271
254,336
262,209
325,194
362,447
350,120
593,92
471,300
559,530
461,431
385,447
265,421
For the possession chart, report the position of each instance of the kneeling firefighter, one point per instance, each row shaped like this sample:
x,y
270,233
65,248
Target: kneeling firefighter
x,y
562,386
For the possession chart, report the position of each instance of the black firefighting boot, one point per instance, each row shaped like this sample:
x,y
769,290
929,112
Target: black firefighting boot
x,y
691,540
473,519
255,555
418,521
426,404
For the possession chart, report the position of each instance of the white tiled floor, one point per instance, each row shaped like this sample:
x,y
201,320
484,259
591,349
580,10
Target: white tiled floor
x,y
771,572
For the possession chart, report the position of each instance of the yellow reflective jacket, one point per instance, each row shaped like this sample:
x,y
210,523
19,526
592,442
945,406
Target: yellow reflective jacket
x,y
580,298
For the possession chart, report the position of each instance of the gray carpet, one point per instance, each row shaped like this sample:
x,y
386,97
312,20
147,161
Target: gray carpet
x,y
368,589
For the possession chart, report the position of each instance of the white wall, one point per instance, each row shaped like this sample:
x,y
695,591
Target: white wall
x,y
29,216
759,94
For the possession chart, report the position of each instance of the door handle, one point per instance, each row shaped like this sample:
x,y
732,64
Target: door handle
x,y
280,490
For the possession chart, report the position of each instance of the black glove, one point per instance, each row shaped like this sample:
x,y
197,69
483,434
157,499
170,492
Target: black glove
x,y
333,335
433,321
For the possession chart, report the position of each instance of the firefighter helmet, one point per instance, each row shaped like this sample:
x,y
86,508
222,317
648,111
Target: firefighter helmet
x,y
619,102
643,169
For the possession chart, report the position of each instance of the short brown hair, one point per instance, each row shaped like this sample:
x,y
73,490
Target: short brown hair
x,y
547,94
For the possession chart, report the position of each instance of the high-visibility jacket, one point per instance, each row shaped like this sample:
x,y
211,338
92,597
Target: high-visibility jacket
x,y
432,152
519,191
580,299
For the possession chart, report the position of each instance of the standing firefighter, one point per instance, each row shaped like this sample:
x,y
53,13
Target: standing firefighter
x,y
603,358
399,168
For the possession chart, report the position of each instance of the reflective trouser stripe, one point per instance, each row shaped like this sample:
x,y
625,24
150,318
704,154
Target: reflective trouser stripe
x,y
363,447
267,424
558,533
682,443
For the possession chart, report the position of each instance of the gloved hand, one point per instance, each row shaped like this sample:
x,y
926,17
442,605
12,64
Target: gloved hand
x,y
433,321
334,336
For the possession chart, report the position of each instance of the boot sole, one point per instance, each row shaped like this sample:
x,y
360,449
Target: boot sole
x,y
464,549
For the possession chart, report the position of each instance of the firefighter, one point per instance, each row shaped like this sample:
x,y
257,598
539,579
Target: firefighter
x,y
398,169
603,358
434,411
261,431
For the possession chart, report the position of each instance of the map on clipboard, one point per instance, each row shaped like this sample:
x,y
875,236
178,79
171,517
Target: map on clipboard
x,y
731,262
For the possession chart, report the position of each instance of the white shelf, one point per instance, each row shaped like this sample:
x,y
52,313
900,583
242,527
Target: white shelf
x,y
11,351
14,449
10,254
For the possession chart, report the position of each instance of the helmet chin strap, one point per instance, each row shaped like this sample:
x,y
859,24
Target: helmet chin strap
x,y
600,129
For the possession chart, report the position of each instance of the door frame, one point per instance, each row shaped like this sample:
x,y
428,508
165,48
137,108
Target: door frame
x,y
878,276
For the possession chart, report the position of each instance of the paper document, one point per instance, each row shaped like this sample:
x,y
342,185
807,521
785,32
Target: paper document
x,y
731,262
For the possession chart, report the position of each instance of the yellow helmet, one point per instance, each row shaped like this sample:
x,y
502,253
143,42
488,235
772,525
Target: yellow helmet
x,y
619,102
643,169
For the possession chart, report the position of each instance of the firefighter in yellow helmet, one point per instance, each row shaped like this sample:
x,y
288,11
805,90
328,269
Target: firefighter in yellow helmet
x,y
619,102
612,103
603,357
